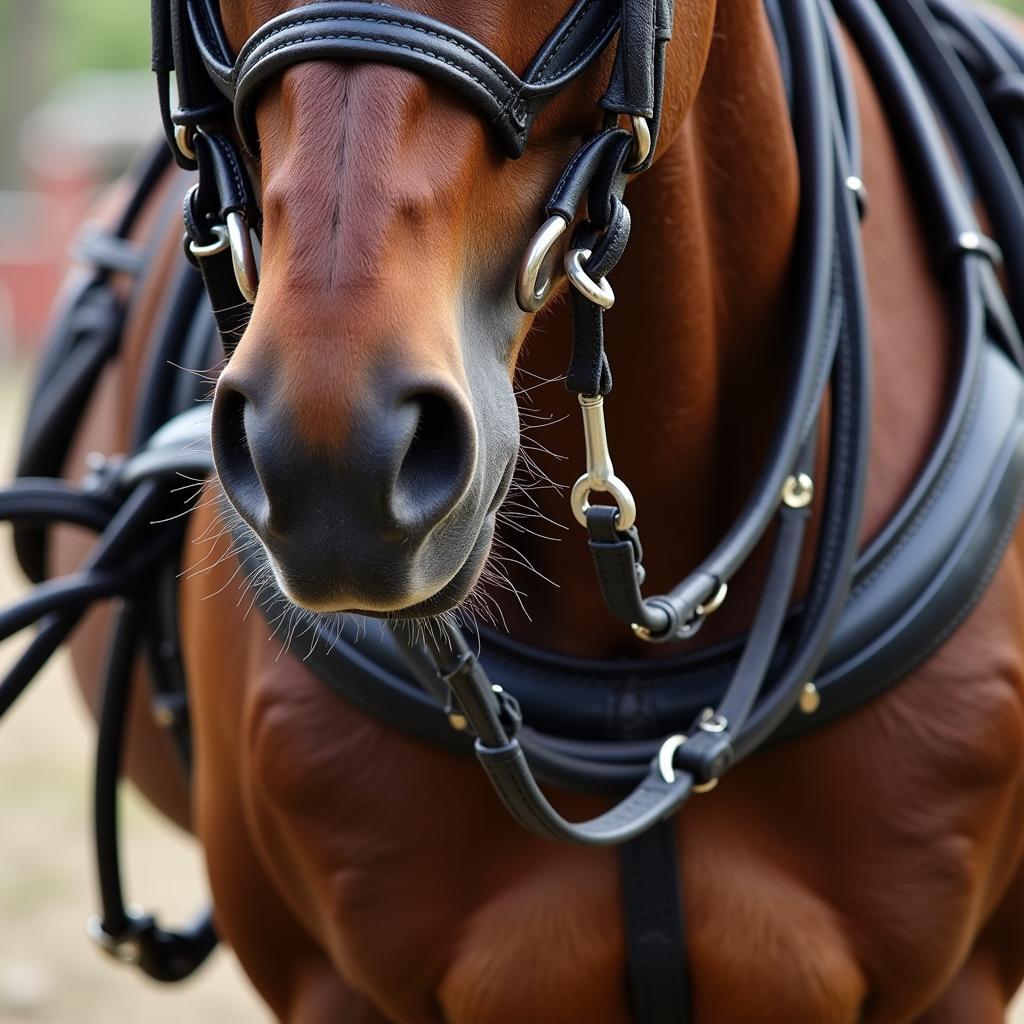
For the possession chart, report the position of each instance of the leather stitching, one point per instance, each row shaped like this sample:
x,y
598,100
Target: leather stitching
x,y
489,61
583,58
211,34
391,43
569,29
968,605
229,156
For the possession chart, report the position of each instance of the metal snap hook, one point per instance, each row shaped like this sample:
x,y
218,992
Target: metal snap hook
x,y
599,292
530,294
600,474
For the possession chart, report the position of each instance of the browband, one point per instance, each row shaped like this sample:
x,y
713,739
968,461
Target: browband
x,y
208,77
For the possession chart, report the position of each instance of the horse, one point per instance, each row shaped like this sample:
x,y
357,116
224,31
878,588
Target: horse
x,y
372,430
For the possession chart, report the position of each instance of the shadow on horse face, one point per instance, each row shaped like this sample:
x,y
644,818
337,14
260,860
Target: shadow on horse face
x,y
366,427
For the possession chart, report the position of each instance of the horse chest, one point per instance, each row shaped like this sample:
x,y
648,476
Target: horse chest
x,y
429,901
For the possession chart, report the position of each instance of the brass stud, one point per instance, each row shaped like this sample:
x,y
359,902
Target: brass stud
x,y
163,715
457,721
810,699
798,491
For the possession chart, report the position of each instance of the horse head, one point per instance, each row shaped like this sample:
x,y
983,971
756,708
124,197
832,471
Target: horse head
x,y
366,426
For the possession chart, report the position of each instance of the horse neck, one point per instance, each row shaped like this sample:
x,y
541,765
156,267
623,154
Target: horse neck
x,y
694,342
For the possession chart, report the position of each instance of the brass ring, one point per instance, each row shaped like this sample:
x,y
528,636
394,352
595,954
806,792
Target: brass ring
x,y
181,140
713,603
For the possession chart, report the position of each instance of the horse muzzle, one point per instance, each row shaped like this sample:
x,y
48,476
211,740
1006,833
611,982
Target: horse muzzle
x,y
382,521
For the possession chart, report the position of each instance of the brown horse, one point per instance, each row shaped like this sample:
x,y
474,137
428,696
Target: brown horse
x,y
870,871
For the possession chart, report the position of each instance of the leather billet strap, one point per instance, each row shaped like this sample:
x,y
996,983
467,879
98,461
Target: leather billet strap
x,y
817,316
652,910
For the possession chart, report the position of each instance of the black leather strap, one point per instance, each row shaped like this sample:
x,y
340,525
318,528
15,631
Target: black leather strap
x,y
344,30
652,905
503,758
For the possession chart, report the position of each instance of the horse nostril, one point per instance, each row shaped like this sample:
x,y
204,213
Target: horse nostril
x,y
232,453
437,466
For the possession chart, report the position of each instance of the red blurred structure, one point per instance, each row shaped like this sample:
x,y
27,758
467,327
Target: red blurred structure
x,y
79,139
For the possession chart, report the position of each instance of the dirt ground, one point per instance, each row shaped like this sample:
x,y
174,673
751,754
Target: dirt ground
x,y
49,971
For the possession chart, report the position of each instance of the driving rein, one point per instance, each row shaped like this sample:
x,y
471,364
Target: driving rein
x,y
647,733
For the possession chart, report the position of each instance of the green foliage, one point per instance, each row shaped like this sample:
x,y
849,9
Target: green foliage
x,y
98,34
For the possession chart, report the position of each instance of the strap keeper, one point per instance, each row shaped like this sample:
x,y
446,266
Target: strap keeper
x,y
706,756
509,712
497,755
971,242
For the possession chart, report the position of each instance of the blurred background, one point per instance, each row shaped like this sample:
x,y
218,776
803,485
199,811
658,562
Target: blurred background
x,y
76,102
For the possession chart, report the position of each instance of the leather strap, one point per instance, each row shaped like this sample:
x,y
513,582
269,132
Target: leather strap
x,y
382,33
652,904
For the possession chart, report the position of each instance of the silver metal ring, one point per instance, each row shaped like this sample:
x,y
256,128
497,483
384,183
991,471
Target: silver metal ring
x,y
599,292
530,294
641,144
712,722
666,755
612,485
182,141
220,243
243,256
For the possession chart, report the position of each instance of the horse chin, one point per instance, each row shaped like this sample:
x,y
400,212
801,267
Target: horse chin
x,y
447,595
457,589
